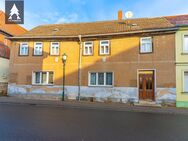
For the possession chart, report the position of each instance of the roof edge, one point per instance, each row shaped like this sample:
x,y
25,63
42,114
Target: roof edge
x,y
95,35
6,33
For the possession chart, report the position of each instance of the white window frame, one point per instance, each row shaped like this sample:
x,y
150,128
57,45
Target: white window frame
x,y
34,53
141,42
88,46
20,49
184,51
105,52
47,77
185,71
56,46
97,85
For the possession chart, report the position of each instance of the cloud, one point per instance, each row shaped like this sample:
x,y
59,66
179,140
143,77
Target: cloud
x,y
68,19
159,8
34,19
68,11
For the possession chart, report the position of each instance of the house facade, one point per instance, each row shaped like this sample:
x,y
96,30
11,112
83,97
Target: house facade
x,y
181,21
118,61
5,47
182,67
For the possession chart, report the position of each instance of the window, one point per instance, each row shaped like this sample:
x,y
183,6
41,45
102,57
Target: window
x,y
54,50
88,48
109,78
185,45
185,82
42,78
101,79
38,49
146,45
23,49
104,47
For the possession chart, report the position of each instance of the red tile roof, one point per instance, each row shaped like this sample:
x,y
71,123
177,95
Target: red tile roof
x,y
13,29
178,19
102,27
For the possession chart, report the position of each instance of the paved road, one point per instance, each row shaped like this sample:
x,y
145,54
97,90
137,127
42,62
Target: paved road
x,y
45,123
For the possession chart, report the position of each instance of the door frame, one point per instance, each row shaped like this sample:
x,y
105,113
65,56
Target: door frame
x,y
155,82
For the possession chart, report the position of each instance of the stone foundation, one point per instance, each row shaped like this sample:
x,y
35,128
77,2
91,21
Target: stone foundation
x,y
100,94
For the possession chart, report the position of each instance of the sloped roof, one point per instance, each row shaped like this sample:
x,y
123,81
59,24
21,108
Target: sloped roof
x,y
12,29
101,27
178,19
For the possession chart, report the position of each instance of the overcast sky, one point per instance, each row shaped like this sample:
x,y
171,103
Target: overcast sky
x,y
39,12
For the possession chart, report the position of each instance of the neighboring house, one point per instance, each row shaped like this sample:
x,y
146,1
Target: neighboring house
x,y
181,59
119,61
6,30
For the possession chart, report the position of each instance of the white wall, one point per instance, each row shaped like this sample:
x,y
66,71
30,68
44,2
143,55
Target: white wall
x,y
115,94
4,70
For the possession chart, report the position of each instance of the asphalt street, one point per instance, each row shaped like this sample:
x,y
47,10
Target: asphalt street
x,y
48,123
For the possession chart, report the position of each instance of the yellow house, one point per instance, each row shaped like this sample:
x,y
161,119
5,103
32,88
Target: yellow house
x,y
119,61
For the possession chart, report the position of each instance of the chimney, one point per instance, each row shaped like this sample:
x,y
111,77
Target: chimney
x,y
120,15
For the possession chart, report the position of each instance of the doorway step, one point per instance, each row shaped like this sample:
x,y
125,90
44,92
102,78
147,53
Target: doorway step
x,y
147,103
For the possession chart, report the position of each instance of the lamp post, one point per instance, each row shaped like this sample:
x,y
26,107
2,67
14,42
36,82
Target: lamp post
x,y
64,59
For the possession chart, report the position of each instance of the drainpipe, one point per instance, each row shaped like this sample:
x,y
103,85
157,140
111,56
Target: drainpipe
x,y
79,66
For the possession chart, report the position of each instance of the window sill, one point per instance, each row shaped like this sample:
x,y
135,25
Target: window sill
x,y
101,86
87,54
146,52
184,92
104,54
43,84
54,54
23,55
37,55
184,53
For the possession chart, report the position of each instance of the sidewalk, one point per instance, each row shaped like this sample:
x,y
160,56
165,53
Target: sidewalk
x,y
94,105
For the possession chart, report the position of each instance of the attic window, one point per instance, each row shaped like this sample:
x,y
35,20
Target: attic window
x,y
134,24
56,29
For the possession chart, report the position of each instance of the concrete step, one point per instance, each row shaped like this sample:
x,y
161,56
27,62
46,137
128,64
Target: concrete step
x,y
147,104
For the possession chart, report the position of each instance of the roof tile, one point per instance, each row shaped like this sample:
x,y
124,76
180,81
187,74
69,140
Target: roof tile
x,y
101,27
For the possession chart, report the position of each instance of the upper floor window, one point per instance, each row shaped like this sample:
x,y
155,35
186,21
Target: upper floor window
x,y
146,45
88,48
38,48
24,49
42,78
54,49
185,45
100,79
104,47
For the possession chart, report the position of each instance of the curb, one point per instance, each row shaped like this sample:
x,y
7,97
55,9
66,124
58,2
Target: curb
x,y
96,106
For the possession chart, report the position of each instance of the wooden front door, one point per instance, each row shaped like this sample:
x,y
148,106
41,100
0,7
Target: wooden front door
x,y
146,85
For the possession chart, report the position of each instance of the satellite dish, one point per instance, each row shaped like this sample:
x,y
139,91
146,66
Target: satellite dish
x,y
129,14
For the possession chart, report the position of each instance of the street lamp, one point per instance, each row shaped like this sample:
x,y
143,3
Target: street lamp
x,y
64,59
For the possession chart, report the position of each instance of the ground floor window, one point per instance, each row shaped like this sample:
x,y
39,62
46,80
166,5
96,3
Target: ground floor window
x,y
42,78
185,81
100,79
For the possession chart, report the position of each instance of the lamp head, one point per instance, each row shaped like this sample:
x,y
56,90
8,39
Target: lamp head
x,y
64,57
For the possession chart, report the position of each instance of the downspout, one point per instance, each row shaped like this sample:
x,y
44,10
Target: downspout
x,y
79,66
